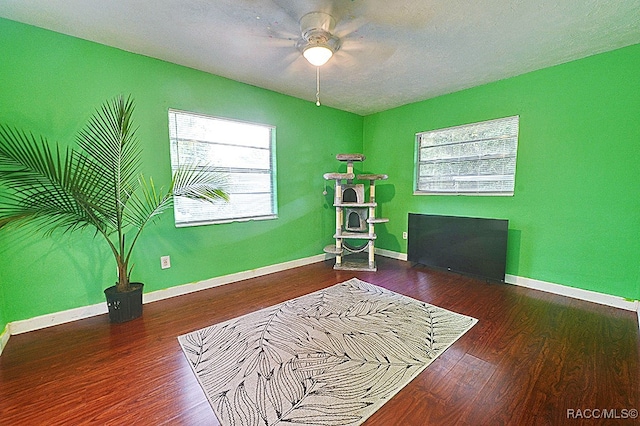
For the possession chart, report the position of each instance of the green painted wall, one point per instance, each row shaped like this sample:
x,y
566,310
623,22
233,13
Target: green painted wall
x,y
50,84
575,215
573,220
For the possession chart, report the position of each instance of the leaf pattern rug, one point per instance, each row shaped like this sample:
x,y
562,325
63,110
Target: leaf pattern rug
x,y
329,358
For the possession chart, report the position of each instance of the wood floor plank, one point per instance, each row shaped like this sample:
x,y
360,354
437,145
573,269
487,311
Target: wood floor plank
x,y
530,358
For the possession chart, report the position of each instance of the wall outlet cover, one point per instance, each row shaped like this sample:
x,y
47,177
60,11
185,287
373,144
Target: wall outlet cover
x,y
165,262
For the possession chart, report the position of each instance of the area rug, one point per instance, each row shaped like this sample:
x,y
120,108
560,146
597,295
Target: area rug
x,y
329,358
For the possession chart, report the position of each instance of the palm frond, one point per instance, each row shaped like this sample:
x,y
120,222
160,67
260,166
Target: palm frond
x,y
146,208
200,183
109,139
196,182
40,183
98,186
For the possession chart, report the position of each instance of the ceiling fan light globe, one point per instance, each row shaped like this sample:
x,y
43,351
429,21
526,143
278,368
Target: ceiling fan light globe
x,y
317,55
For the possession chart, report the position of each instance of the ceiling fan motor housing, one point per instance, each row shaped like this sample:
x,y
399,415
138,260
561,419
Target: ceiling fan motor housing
x,y
316,28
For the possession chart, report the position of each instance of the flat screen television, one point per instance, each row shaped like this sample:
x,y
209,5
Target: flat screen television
x,y
466,245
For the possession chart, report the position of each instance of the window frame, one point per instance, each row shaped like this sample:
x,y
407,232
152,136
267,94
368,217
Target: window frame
x,y
453,179
273,214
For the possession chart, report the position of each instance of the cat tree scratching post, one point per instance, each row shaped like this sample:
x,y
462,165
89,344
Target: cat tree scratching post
x,y
355,217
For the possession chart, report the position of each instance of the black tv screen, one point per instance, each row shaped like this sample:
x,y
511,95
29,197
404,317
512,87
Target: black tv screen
x,y
467,245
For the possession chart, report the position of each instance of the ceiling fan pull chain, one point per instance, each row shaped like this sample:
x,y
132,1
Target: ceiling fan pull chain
x,y
317,86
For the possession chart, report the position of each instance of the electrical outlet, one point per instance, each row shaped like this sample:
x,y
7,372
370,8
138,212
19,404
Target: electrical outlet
x,y
165,262
404,235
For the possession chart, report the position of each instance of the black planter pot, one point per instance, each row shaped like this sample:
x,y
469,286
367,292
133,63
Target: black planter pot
x,y
124,306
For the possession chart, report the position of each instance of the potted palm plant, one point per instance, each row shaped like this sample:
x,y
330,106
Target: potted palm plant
x,y
96,186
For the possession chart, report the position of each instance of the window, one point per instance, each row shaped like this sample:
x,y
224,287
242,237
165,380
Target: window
x,y
473,159
243,152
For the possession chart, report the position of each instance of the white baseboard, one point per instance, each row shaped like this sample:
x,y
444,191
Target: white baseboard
x,y
391,254
56,318
48,320
4,337
226,279
576,293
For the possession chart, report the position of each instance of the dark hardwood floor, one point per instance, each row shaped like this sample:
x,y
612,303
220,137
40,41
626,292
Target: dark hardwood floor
x,y
532,359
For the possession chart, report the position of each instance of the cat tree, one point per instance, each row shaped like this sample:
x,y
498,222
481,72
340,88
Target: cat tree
x,y
355,216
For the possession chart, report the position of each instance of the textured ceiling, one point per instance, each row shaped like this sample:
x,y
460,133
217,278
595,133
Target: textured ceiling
x,y
393,51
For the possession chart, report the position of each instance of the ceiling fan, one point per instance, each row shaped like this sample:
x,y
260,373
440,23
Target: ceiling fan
x,y
318,43
319,38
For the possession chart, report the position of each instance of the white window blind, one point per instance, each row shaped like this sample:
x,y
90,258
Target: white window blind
x,y
473,159
242,152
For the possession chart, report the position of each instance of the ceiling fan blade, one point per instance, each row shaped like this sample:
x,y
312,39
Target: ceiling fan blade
x,y
361,54
349,28
274,42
